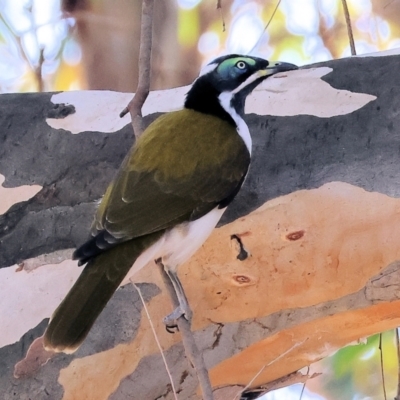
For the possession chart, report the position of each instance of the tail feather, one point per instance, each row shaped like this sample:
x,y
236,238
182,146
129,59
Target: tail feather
x,y
74,317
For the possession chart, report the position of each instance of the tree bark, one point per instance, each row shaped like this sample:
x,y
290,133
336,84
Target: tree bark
x,y
318,221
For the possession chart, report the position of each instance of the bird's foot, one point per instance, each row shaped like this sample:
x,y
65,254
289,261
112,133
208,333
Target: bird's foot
x,y
170,320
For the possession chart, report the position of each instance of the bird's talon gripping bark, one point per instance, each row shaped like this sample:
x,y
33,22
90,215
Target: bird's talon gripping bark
x,y
172,328
170,320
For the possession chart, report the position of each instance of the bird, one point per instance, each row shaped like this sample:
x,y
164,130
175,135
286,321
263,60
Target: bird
x,y
167,196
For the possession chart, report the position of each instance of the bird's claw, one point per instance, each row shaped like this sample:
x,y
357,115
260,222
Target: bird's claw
x,y
172,328
170,321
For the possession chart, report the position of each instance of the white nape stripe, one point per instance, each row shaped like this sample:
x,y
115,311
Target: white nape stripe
x,y
225,99
208,68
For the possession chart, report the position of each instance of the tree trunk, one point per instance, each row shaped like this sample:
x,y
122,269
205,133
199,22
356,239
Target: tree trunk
x,y
108,32
318,217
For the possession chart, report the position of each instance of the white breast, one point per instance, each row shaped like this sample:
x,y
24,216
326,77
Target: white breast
x,y
178,244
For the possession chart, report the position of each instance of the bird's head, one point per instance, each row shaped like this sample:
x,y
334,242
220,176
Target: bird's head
x,y
225,83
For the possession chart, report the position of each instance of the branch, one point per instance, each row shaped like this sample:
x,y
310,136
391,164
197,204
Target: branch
x,y
304,384
398,361
189,344
382,370
266,26
17,41
38,72
349,28
261,370
285,381
219,7
134,107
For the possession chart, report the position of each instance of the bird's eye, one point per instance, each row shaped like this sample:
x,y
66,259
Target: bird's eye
x,y
241,64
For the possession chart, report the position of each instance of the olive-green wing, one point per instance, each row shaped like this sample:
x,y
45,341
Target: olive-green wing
x,y
184,164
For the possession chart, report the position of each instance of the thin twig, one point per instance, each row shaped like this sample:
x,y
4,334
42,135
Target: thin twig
x,y
39,72
239,393
398,361
17,41
386,5
157,341
267,365
349,28
189,344
219,7
304,384
382,372
134,107
284,381
38,68
266,27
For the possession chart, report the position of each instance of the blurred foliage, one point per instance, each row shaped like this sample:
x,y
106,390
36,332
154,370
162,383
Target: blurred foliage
x,y
188,27
35,47
302,31
356,373
352,373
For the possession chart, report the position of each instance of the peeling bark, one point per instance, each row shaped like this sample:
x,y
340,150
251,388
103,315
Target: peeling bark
x,y
318,220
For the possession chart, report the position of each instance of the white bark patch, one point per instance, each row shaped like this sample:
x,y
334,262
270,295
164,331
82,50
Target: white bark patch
x,y
98,110
303,92
300,92
11,196
29,297
56,257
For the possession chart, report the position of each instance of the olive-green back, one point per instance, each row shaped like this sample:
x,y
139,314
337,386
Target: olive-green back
x,y
183,165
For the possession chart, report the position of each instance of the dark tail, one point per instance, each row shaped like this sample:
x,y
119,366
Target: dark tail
x,y
100,278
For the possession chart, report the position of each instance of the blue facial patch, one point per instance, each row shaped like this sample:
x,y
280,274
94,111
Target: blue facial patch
x,y
229,68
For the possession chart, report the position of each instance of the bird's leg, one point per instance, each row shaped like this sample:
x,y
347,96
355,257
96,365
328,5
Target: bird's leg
x,y
183,309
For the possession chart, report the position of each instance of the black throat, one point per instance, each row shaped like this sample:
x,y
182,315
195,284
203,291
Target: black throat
x,y
203,97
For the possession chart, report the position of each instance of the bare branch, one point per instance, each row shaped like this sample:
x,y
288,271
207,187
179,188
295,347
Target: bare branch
x,y
146,34
38,72
17,41
386,5
267,365
219,7
349,28
266,27
304,384
382,371
284,381
192,352
398,361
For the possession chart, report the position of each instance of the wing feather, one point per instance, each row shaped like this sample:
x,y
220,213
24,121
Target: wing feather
x,y
168,178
